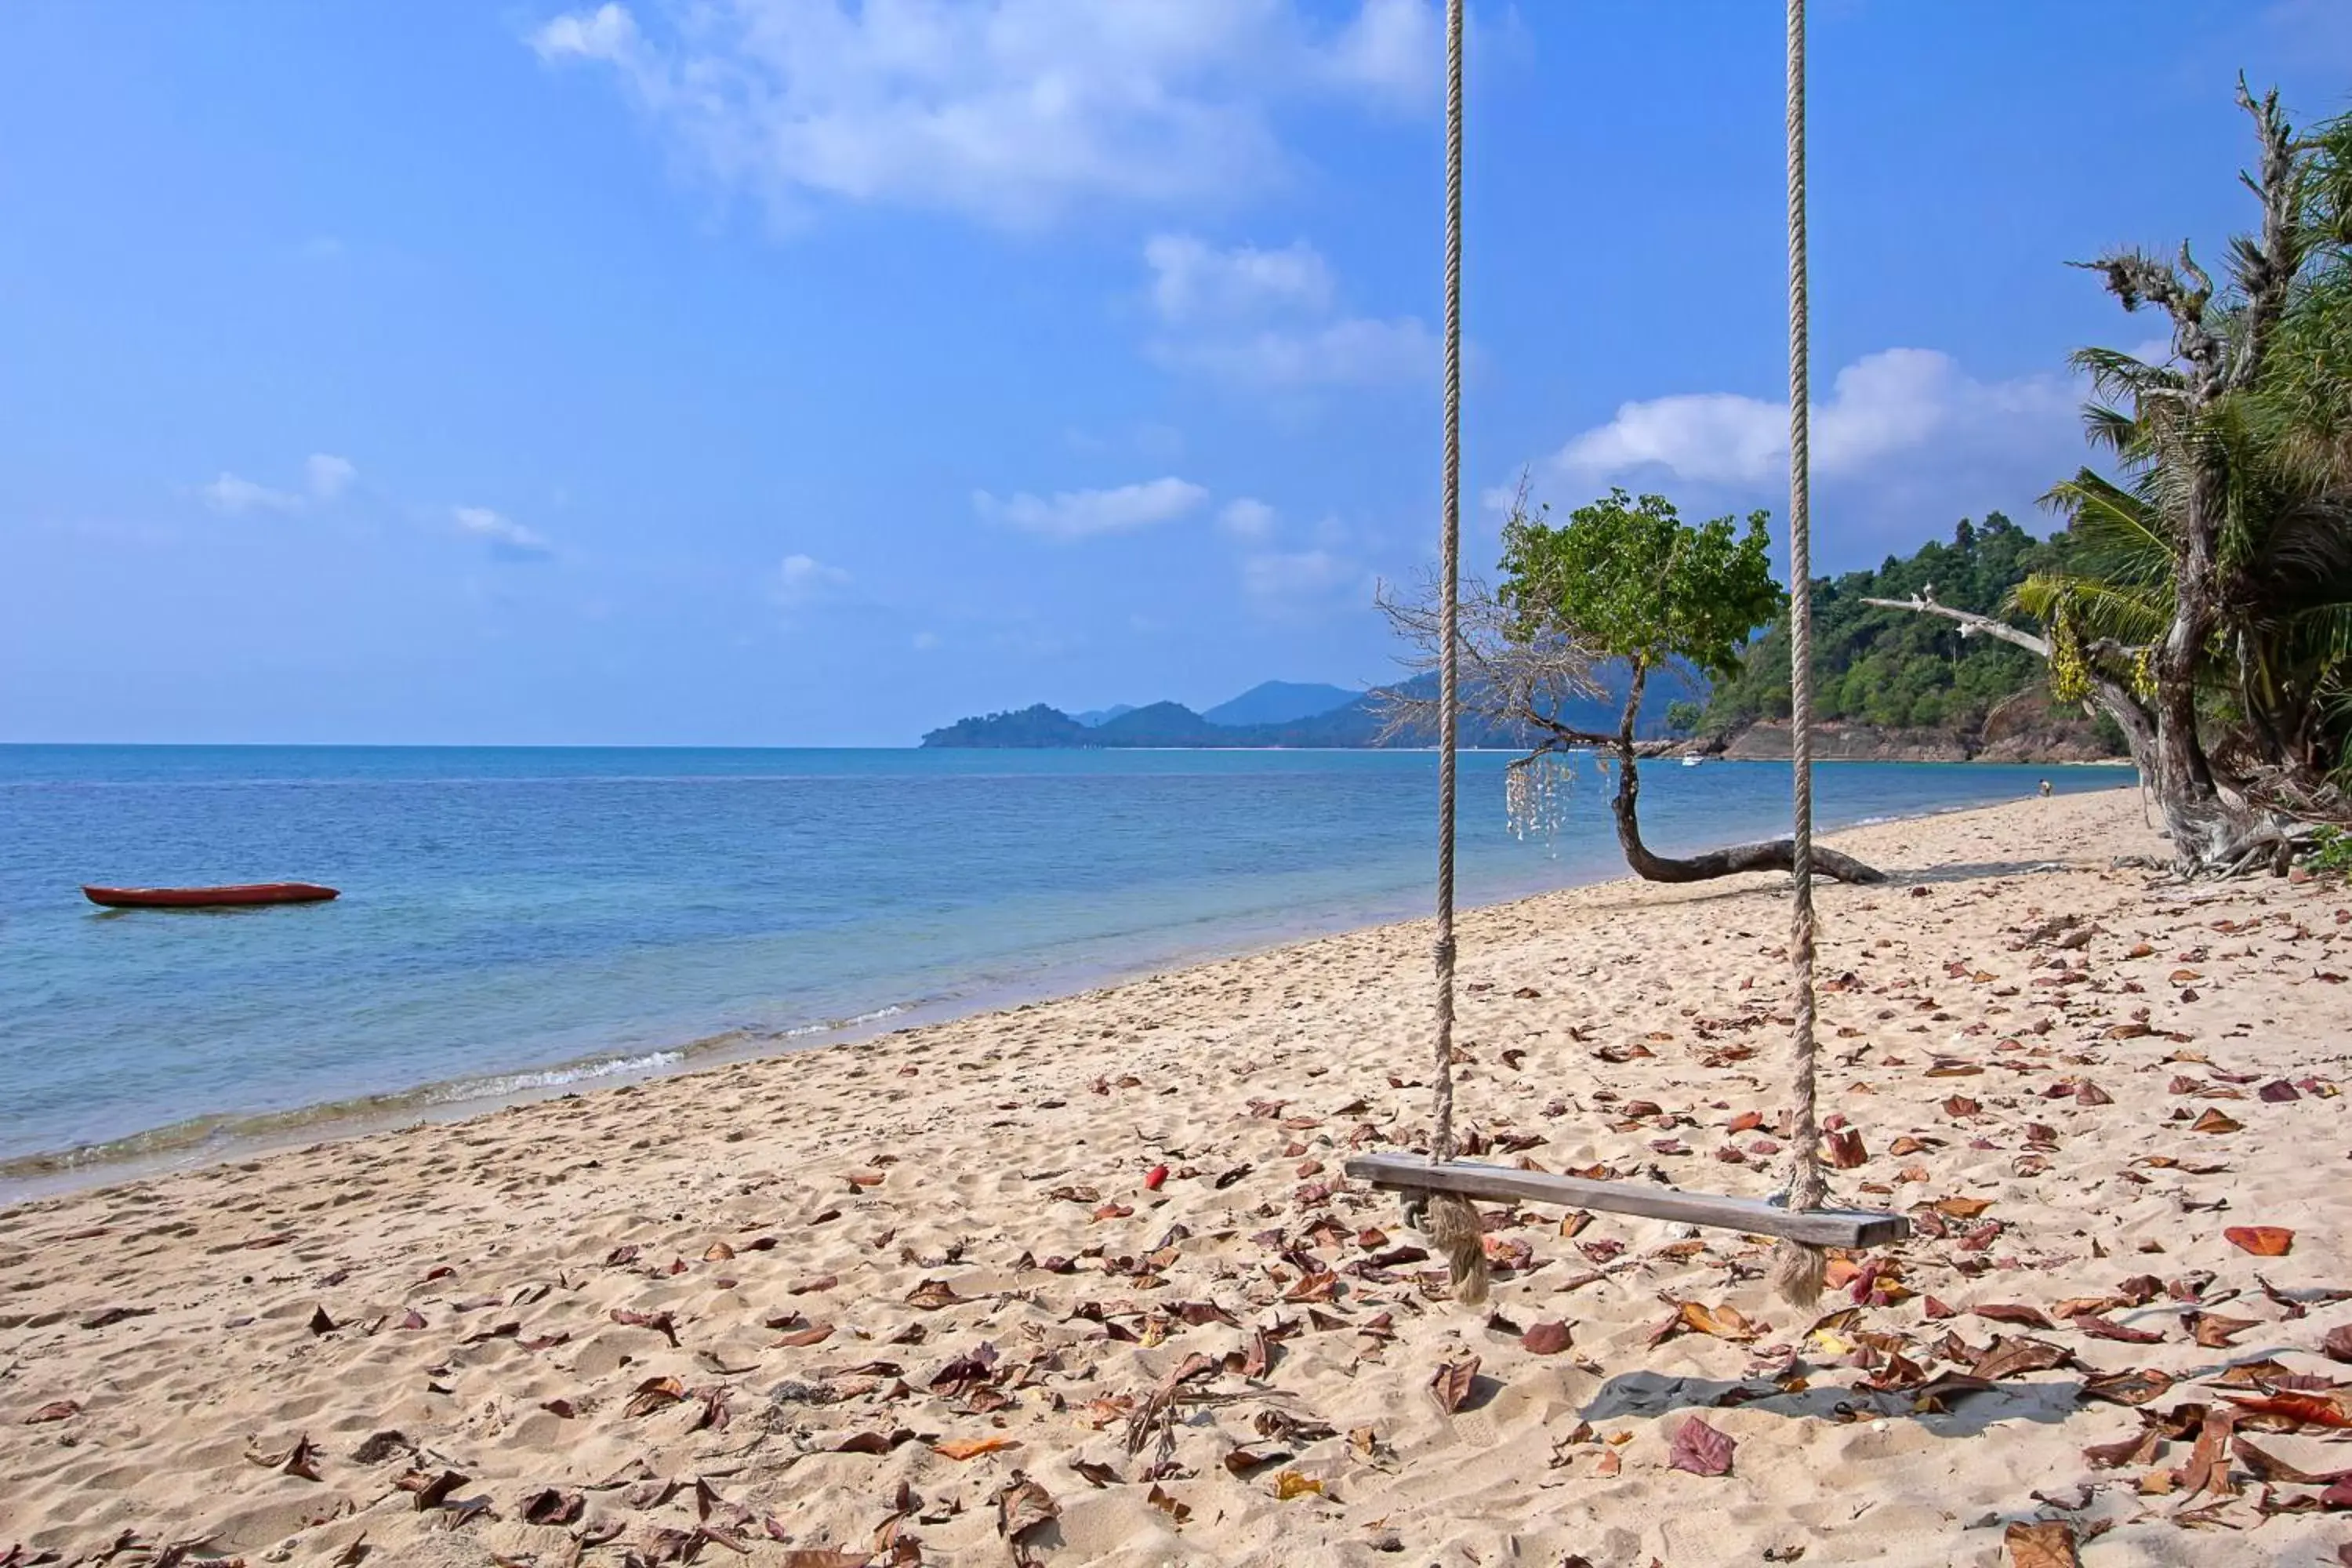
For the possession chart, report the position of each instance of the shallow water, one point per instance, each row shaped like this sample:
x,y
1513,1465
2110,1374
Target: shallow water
x,y
520,918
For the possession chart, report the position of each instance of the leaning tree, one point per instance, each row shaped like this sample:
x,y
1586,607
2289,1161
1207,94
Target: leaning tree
x,y
1623,581
2207,606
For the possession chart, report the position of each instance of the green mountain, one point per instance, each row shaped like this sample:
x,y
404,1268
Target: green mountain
x,y
1280,702
1912,674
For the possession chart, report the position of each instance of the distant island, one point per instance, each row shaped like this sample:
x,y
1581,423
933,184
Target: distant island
x,y
1275,713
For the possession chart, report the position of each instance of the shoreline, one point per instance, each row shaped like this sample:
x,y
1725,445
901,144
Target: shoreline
x,y
214,1138
766,1298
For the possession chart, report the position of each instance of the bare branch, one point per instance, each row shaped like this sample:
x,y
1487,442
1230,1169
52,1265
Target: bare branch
x,y
2266,268
1970,622
1520,686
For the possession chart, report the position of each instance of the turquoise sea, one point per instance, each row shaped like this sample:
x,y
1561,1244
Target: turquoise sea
x,y
521,919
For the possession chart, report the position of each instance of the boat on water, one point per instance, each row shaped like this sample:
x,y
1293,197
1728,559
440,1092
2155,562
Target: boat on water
x,y
1692,759
237,897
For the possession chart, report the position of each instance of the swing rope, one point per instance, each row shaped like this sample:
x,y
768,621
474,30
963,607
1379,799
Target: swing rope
x,y
1797,1266
1452,1221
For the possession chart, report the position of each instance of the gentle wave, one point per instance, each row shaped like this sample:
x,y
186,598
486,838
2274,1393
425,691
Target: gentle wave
x,y
220,1131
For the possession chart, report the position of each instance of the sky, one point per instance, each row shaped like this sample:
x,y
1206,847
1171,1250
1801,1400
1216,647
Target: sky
x,y
810,372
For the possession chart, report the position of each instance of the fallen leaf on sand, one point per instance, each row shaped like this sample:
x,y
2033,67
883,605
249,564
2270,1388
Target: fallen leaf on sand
x,y
2215,1332
1700,1450
815,1334
58,1410
2338,1345
651,1394
1546,1339
2262,1240
2214,1121
660,1322
1451,1382
972,1447
2023,1317
932,1295
553,1506
1021,1505
2048,1544
1290,1484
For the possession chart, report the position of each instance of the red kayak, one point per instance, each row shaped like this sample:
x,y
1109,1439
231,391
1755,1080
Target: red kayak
x,y
209,898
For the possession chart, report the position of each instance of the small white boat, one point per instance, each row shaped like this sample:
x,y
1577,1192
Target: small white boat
x,y
1692,759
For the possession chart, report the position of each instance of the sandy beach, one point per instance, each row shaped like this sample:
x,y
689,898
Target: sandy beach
x,y
901,1299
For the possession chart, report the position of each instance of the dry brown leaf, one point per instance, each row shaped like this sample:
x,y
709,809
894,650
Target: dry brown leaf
x,y
1451,1382
2047,1544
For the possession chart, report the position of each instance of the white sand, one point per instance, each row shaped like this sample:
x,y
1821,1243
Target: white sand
x,y
472,1271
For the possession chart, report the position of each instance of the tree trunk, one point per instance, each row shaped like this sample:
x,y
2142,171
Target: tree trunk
x,y
2215,830
1777,855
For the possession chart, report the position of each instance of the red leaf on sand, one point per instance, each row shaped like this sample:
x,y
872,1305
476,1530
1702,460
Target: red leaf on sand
x,y
2262,1240
2291,1409
1844,1150
2338,1345
1546,1339
61,1410
1700,1450
2104,1328
1155,1177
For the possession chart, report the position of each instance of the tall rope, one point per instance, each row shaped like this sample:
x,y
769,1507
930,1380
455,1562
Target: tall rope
x,y
1797,1268
1453,1222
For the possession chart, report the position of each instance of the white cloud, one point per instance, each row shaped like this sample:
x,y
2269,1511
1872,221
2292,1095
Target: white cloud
x,y
1298,579
1191,280
1247,518
1012,111
1906,438
1085,514
507,538
232,495
327,475
1354,353
1884,405
803,578
1268,320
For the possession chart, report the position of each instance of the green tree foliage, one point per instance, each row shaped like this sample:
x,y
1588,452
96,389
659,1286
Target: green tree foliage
x,y
1682,717
2249,476
1892,668
1632,581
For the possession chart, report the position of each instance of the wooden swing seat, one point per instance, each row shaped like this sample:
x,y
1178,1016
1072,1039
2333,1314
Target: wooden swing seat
x,y
1756,1216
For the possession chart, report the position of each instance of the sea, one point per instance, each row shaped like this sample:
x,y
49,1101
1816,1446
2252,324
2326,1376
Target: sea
x,y
526,921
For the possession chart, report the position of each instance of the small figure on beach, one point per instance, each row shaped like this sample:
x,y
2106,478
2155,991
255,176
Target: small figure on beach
x,y
2045,789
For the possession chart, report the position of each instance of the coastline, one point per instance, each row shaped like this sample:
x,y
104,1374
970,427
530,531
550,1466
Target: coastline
x,y
221,1136
762,1298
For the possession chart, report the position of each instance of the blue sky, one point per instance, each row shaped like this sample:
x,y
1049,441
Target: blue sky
x,y
780,371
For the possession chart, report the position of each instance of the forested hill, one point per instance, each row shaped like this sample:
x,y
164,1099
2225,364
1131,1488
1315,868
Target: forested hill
x,y
1916,675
